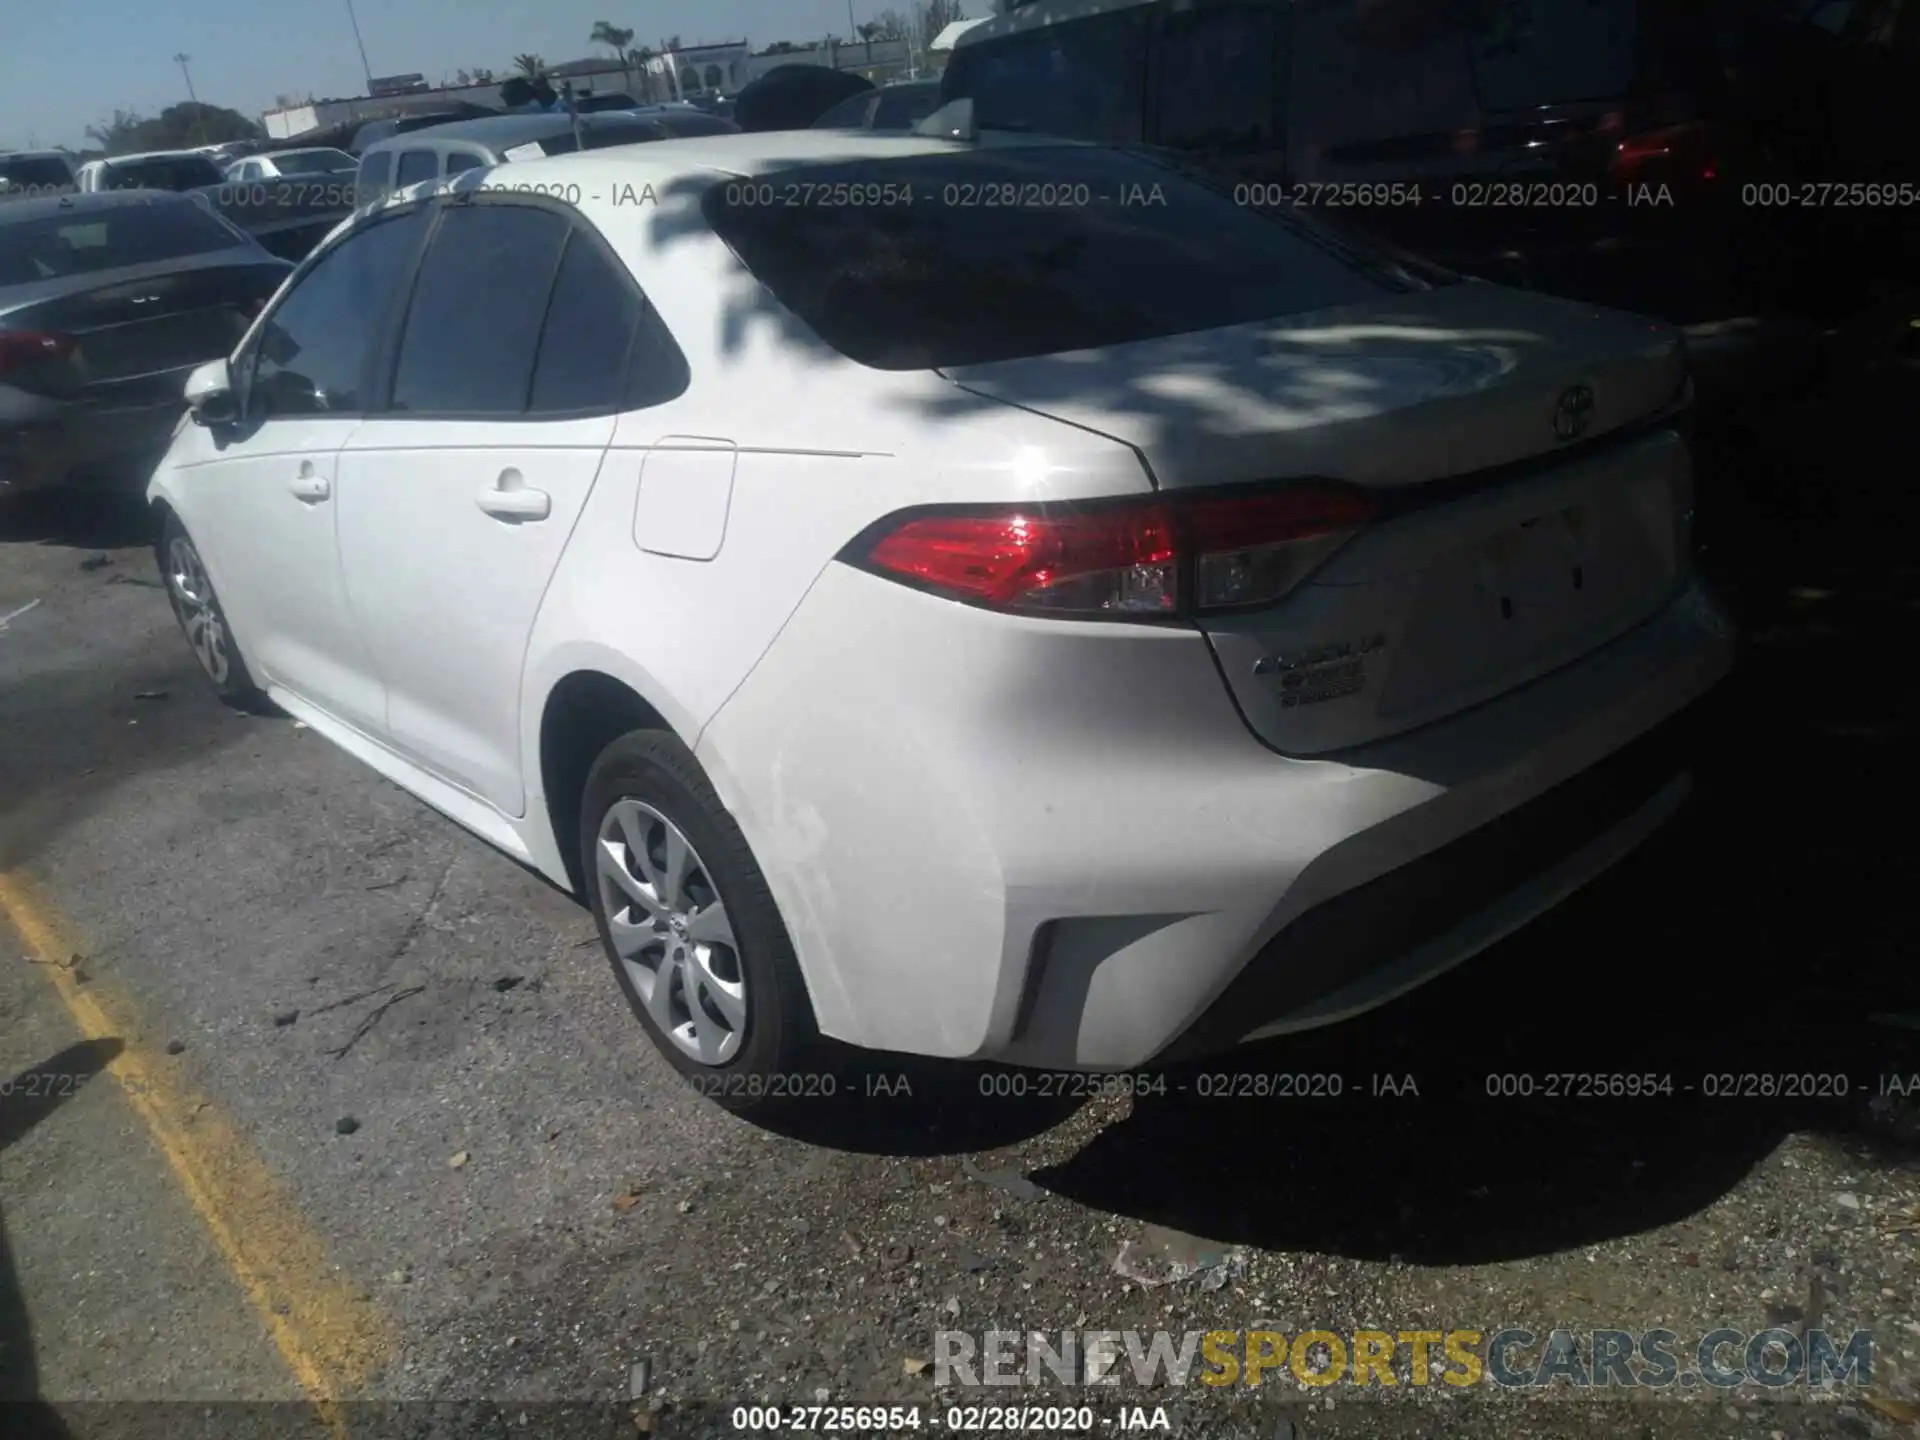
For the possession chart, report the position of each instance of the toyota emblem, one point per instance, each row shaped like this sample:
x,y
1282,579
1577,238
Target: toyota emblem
x,y
1572,412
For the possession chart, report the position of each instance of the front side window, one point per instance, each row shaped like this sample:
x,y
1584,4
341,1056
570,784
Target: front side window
x,y
473,328
311,355
375,177
1081,80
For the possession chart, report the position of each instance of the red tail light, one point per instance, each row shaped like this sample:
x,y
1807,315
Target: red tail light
x,y
21,348
1678,152
1158,556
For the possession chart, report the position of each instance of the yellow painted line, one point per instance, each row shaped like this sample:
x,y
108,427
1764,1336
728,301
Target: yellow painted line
x,y
331,1335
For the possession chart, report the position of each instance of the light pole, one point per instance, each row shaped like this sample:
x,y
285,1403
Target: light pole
x,y
365,68
181,61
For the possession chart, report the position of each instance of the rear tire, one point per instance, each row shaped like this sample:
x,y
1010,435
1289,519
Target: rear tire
x,y
202,621
691,929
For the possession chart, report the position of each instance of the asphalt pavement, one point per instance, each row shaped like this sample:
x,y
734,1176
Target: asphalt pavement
x,y
325,1117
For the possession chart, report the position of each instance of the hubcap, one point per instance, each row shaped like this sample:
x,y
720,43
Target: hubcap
x,y
193,602
671,932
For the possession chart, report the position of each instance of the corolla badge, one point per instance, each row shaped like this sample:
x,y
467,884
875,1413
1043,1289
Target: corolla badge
x,y
1573,412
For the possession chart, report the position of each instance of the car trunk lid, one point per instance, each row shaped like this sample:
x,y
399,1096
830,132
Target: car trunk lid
x,y
1527,510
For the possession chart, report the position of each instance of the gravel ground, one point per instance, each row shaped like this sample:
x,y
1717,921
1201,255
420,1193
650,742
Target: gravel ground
x,y
533,1206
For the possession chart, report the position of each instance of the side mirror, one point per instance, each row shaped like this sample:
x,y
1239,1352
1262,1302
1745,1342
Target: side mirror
x,y
210,397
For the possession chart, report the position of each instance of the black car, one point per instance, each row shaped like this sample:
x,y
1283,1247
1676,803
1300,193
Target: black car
x,y
26,173
107,302
1740,167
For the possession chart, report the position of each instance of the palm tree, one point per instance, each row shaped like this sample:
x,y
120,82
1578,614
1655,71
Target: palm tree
x,y
615,39
530,66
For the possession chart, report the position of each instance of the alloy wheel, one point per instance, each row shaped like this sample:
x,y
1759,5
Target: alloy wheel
x,y
200,617
671,932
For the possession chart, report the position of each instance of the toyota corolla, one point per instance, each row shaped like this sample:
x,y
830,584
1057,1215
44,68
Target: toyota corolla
x,y
990,599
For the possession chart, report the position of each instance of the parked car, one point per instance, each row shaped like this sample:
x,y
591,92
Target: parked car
x,y
35,172
1732,168
373,132
983,647
891,107
793,96
107,301
447,150
315,164
605,100
151,170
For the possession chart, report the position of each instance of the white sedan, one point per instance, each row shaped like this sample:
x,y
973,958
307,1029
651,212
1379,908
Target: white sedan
x,y
995,599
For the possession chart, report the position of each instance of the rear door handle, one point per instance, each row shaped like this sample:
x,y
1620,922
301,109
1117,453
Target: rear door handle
x,y
308,486
509,499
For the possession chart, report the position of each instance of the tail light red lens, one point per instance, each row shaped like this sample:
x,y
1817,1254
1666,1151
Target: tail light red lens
x,y
1157,557
21,348
1678,152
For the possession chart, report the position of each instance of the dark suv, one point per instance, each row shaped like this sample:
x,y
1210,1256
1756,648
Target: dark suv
x,y
1740,167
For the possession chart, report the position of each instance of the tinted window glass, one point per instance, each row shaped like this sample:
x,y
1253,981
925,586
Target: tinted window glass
x,y
1377,72
460,160
82,242
375,177
1082,80
849,114
34,174
178,173
900,109
916,286
313,349
1552,52
313,162
1216,80
474,324
589,327
415,166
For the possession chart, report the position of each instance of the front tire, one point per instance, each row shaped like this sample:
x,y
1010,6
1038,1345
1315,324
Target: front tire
x,y
686,918
202,621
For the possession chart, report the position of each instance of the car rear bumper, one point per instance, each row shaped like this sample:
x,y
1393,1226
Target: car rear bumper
x,y
1057,844
85,444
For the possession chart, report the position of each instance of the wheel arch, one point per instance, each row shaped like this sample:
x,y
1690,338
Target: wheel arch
x,y
583,712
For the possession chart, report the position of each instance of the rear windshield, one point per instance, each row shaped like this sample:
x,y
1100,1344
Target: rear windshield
x,y
34,175
962,259
313,162
182,172
86,241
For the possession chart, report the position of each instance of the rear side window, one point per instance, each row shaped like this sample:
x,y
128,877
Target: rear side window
x,y
460,160
1083,80
1217,83
415,166
589,330
914,286
473,327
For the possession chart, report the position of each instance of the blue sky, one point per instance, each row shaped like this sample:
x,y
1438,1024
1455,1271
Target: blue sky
x,y
70,63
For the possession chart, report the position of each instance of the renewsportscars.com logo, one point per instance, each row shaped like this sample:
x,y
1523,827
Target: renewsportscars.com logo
x,y
1512,1358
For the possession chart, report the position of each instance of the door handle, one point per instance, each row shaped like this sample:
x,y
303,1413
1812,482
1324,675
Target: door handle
x,y
309,487
509,499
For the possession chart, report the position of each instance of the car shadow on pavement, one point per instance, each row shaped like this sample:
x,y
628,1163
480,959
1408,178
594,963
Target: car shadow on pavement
x,y
25,1101
83,519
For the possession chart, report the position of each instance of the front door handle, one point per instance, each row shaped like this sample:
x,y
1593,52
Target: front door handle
x,y
308,486
509,499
